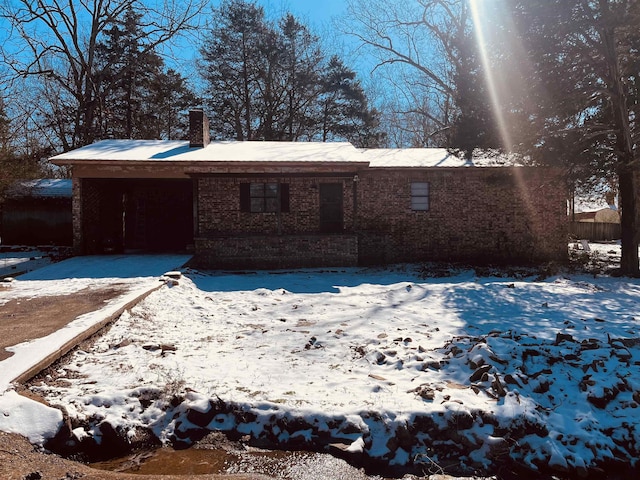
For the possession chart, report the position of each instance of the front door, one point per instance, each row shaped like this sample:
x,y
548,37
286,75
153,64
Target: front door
x,y
331,207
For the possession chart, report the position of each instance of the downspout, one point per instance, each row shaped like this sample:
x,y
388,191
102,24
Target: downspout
x,y
195,213
279,211
356,179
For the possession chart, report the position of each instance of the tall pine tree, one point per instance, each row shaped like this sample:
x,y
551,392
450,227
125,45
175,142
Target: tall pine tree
x,y
138,98
302,59
232,64
344,111
57,43
268,81
473,122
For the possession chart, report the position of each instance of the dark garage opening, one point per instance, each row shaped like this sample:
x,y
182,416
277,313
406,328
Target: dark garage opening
x,y
144,215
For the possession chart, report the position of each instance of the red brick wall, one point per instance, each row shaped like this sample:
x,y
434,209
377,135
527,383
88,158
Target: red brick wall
x,y
482,215
219,207
277,251
230,238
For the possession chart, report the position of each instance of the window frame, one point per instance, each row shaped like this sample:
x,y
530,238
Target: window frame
x,y
420,193
264,197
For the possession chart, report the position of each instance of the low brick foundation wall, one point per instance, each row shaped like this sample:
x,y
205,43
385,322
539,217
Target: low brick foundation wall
x,y
285,251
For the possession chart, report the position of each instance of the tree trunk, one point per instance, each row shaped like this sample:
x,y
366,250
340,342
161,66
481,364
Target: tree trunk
x,y
628,181
629,263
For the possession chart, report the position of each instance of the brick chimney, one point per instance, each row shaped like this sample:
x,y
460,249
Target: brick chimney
x,y
198,129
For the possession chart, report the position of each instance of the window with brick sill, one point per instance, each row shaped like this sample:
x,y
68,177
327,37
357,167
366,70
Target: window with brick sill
x,y
420,196
264,197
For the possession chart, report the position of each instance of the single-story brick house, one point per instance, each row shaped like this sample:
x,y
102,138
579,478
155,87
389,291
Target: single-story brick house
x,y
283,204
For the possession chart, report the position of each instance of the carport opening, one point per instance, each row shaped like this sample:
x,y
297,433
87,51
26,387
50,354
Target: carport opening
x,y
137,215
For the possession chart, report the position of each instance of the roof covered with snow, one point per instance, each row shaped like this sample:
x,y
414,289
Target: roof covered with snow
x,y
431,157
413,157
271,152
222,151
44,187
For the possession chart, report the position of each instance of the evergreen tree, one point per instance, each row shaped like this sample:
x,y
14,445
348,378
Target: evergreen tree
x,y
17,162
232,60
127,69
269,81
57,44
344,111
301,61
169,98
271,88
473,122
5,132
138,99
6,152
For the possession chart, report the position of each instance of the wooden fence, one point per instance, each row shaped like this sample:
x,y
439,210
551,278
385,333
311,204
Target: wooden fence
x,y
595,231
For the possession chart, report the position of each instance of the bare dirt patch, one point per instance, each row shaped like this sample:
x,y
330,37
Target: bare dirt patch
x,y
20,460
24,319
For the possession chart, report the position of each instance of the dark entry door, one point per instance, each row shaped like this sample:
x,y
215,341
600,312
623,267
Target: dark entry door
x,y
159,215
331,207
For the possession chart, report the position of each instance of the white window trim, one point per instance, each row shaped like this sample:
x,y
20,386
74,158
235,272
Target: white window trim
x,y
420,196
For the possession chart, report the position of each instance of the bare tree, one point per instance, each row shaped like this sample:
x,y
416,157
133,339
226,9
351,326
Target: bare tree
x,y
426,49
395,34
55,42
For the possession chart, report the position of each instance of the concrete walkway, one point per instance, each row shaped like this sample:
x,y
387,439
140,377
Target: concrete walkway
x,y
13,264
140,274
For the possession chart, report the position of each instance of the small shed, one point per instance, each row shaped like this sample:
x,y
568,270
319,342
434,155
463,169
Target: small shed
x,y
596,223
38,212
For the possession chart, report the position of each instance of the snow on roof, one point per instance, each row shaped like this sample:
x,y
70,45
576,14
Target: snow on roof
x,y
44,187
431,157
586,203
413,157
223,151
308,152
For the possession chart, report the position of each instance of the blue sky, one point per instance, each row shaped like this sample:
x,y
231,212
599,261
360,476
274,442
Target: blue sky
x,y
318,15
317,12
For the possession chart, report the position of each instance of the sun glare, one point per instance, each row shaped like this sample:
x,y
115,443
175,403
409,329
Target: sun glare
x,y
478,14
496,85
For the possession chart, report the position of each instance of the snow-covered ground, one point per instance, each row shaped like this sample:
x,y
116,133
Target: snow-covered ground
x,y
13,263
134,274
401,366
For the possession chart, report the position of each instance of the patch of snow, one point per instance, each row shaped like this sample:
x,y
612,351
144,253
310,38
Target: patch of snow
x,y
44,187
357,446
556,360
29,418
